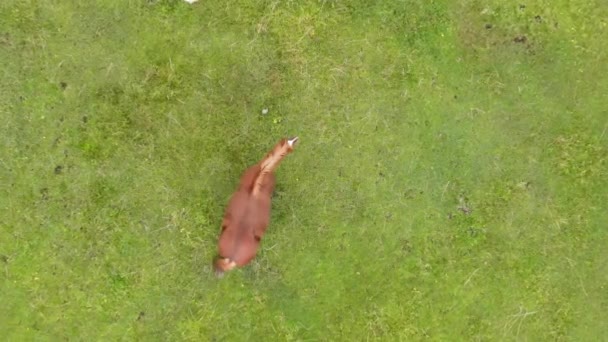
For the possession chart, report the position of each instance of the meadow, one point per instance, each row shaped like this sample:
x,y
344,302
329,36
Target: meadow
x,y
450,183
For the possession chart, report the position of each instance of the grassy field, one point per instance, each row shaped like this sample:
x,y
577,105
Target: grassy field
x,y
451,182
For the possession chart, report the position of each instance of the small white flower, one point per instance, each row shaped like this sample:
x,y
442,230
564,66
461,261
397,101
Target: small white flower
x,y
190,1
265,111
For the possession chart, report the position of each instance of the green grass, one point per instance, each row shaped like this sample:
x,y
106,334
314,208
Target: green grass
x,y
450,184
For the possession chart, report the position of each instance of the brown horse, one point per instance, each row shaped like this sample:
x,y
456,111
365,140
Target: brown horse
x,y
248,212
